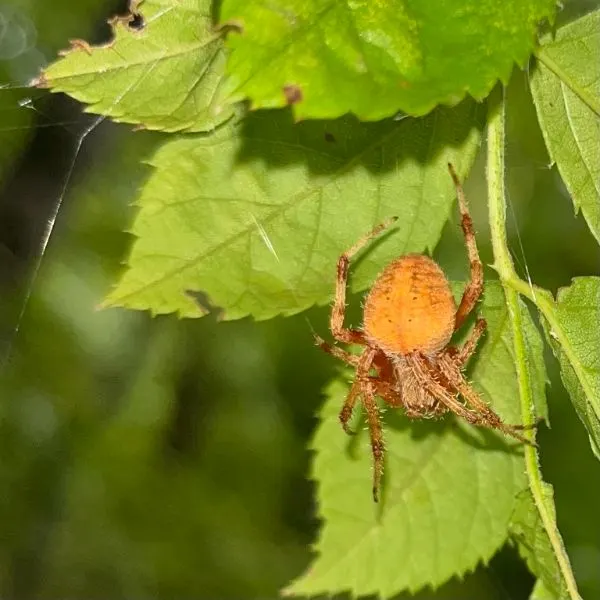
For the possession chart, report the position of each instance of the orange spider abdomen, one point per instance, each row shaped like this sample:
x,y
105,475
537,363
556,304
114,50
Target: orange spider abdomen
x,y
410,307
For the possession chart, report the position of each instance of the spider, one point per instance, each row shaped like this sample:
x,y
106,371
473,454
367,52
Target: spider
x,y
409,316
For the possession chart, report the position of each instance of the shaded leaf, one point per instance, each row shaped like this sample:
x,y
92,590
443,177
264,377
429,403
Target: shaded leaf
x,y
541,592
163,76
577,347
538,377
256,215
449,493
534,546
372,58
566,90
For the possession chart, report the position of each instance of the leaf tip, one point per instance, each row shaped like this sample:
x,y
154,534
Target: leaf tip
x,y
286,592
76,45
40,82
106,303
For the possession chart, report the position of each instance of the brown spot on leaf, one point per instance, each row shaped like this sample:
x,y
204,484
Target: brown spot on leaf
x,y
329,137
77,45
293,94
205,304
133,21
234,25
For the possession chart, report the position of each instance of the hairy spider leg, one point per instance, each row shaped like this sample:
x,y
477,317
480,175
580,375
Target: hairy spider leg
x,y
364,386
381,363
459,357
489,417
348,406
382,387
424,372
339,353
421,370
336,323
475,286
367,390
387,392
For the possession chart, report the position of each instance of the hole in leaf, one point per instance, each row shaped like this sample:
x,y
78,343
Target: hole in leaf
x,y
136,22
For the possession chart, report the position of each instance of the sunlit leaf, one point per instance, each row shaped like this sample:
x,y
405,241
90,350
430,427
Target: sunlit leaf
x,y
566,89
534,546
163,75
577,348
449,494
541,592
537,371
256,215
374,58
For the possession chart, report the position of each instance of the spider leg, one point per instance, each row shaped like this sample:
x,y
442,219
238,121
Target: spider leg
x,y
421,370
339,353
376,434
462,355
488,417
348,407
364,385
372,410
336,322
382,387
475,285
380,362
387,391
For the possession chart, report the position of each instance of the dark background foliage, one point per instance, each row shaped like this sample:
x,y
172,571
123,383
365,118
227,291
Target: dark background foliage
x,y
144,458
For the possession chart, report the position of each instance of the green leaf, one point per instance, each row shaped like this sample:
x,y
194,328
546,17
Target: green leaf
x,y
164,76
449,492
538,378
374,58
576,344
256,215
534,546
541,592
566,90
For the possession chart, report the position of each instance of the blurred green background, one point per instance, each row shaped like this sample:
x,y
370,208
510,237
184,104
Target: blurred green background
x,y
151,458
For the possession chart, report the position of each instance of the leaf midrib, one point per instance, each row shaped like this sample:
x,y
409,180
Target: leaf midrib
x,y
161,57
293,201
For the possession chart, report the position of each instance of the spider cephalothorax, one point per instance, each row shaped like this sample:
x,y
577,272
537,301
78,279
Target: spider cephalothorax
x,y
409,318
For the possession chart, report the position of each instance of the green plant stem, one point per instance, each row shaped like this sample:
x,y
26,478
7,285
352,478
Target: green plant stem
x,y
512,286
